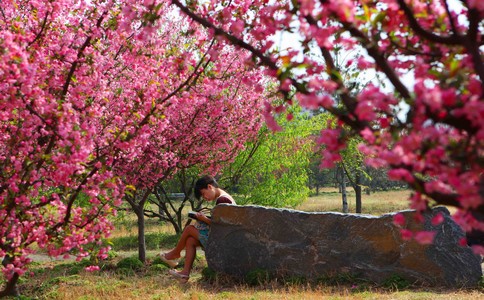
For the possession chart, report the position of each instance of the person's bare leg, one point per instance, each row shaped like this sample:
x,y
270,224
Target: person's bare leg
x,y
189,232
190,253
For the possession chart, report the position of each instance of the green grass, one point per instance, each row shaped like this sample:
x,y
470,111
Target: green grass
x,y
153,241
377,203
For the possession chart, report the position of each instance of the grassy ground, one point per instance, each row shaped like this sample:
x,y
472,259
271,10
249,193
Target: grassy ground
x,y
376,203
121,278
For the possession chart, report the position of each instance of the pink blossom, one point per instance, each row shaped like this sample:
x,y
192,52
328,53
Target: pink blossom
x,y
323,36
329,158
363,63
307,7
92,268
368,135
315,101
477,4
237,26
286,85
406,234
399,219
365,111
419,203
478,249
400,174
418,217
272,123
437,219
425,237
344,9
437,186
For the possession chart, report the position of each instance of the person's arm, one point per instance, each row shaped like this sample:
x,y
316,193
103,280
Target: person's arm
x,y
203,218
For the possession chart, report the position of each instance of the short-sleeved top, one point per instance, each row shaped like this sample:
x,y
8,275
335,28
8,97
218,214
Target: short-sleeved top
x,y
225,198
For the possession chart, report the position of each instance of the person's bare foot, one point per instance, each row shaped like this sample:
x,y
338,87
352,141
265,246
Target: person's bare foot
x,y
170,262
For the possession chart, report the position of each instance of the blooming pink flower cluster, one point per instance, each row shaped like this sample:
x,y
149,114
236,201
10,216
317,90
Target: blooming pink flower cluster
x,y
422,120
95,95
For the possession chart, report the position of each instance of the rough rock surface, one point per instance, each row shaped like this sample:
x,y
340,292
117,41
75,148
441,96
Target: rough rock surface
x,y
313,245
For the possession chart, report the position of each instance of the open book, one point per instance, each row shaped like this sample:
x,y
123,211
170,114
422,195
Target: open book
x,y
193,214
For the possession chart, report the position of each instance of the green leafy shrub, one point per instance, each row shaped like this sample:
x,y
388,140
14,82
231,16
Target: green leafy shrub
x,y
257,277
396,282
158,267
209,275
112,254
130,263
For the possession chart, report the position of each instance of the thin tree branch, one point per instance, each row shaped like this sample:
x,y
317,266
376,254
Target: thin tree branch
x,y
454,39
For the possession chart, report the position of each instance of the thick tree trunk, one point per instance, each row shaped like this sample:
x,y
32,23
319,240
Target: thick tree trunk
x,y
141,235
11,286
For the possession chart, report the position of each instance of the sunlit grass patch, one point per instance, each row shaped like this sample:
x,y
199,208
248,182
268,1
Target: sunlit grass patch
x,y
374,204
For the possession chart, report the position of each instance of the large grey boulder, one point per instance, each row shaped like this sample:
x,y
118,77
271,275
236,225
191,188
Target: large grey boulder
x,y
312,245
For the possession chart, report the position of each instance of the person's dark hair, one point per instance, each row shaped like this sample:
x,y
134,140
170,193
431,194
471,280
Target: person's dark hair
x,y
202,183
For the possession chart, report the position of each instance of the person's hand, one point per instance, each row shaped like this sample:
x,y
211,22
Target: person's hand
x,y
202,217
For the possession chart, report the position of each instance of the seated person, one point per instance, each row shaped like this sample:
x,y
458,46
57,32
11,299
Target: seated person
x,y
195,236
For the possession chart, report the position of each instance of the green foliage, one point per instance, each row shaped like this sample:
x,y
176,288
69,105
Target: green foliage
x,y
131,263
158,267
257,277
273,171
112,254
209,275
396,282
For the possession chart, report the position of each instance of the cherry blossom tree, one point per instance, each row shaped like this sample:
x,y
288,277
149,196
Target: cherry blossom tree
x,y
206,127
423,121
88,88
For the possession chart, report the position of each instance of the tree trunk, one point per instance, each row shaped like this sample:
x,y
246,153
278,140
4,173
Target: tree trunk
x,y
141,235
343,193
358,192
11,286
